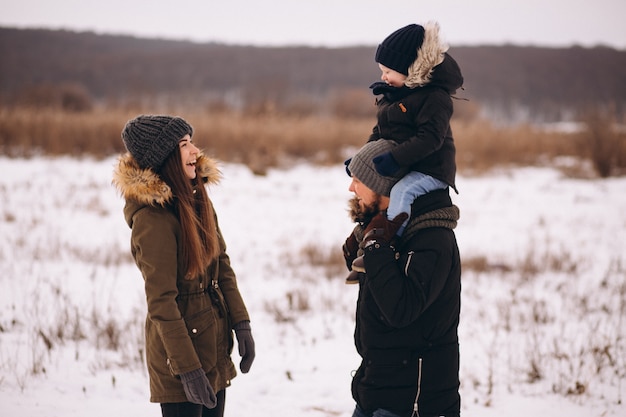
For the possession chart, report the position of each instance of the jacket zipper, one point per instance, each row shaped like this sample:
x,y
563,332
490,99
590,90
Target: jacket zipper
x,y
419,388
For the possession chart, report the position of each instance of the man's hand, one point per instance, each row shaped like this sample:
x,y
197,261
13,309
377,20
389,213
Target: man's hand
x,y
381,230
350,250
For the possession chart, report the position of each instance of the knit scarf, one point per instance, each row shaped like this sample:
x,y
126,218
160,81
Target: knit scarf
x,y
444,217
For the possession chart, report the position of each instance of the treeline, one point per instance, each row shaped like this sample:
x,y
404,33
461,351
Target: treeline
x,y
76,71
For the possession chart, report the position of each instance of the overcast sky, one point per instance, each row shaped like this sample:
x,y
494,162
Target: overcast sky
x,y
332,22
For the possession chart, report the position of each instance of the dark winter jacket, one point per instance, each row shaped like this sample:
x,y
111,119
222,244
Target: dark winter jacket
x,y
408,314
417,115
189,322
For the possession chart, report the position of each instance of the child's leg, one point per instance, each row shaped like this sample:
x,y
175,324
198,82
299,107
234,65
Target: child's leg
x,y
405,191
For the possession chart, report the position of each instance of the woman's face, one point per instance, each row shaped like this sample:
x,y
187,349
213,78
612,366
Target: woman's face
x,y
391,77
188,155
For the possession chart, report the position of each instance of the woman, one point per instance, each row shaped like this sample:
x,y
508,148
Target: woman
x,y
191,290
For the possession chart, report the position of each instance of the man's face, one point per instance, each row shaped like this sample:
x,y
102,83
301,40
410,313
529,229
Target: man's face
x,y
368,200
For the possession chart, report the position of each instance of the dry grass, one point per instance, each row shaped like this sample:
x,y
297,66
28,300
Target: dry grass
x,y
26,132
263,140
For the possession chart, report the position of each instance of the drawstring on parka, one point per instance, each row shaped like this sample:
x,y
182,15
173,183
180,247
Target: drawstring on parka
x,y
416,412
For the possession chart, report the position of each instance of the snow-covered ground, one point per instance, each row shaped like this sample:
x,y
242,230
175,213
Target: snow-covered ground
x,y
544,292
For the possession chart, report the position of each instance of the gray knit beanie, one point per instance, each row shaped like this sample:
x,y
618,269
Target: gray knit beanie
x,y
151,139
362,167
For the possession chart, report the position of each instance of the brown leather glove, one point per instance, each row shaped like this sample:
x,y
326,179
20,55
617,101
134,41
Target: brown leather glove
x,y
382,231
350,250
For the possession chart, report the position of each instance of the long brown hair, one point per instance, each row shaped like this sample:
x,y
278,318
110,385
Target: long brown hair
x,y
191,204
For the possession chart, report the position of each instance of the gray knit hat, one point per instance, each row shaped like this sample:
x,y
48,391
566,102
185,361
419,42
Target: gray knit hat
x,y
362,167
151,139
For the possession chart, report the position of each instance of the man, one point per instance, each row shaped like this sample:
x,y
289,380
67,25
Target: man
x,y
408,306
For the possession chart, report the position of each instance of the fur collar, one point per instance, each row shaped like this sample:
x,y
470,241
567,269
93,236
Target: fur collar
x,y
431,53
146,187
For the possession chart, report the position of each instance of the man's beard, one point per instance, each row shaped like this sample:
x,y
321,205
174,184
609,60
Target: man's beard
x,y
363,213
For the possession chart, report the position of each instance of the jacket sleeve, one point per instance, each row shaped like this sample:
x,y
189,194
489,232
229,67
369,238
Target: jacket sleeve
x,y
154,238
375,135
401,300
228,285
432,125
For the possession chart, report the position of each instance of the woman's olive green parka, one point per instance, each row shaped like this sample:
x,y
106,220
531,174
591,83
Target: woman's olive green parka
x,y
189,322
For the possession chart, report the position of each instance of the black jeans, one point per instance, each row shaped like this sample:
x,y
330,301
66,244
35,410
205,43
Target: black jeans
x,y
194,410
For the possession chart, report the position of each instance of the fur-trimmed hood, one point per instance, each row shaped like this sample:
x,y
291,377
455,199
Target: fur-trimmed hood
x,y
145,187
430,55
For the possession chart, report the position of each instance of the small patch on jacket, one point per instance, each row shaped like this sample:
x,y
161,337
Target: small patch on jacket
x,y
402,107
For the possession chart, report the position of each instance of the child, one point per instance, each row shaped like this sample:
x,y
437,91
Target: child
x,y
418,81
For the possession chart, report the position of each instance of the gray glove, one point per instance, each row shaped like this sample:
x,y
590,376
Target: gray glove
x,y
246,345
198,389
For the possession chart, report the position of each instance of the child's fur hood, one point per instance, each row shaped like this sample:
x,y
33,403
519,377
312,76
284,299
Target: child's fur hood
x,y
429,55
147,188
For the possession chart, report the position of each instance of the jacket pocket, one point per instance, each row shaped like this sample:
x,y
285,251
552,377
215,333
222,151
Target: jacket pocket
x,y
199,322
387,379
389,367
202,329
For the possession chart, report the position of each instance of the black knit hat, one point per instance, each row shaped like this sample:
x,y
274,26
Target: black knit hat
x,y
399,50
151,139
362,167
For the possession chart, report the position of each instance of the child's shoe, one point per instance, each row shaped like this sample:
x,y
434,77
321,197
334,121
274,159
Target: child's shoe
x,y
358,264
358,267
353,277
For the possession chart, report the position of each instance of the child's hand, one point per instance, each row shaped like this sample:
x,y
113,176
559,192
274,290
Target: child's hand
x,y
386,164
